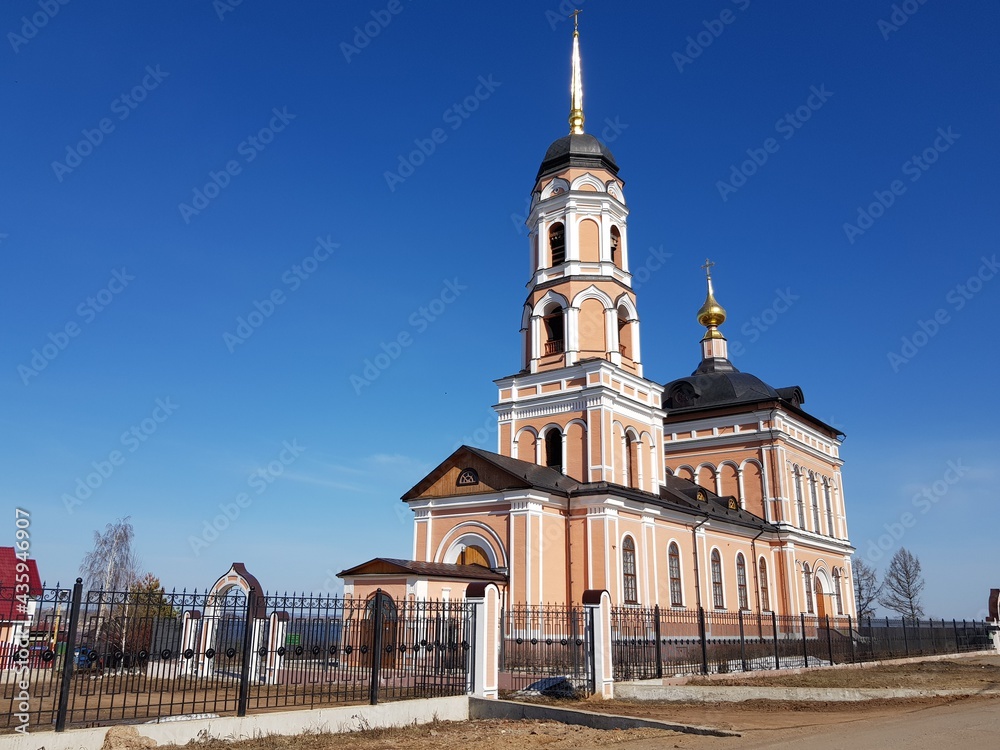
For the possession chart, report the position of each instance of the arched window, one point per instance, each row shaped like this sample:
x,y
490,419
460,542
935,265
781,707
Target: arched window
x,y
829,508
553,449
837,593
814,497
741,582
800,505
807,580
629,585
765,598
616,239
557,244
674,569
718,599
553,321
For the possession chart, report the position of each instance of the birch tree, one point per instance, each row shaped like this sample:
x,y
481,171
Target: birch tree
x,y
112,564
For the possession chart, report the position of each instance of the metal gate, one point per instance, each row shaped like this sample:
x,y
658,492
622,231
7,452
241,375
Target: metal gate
x,y
547,650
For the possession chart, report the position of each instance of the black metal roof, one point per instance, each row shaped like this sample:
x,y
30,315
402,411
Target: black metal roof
x,y
577,150
523,474
706,389
716,382
391,565
542,477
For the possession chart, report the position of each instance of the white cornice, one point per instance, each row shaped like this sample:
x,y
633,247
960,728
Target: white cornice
x,y
583,202
574,270
573,372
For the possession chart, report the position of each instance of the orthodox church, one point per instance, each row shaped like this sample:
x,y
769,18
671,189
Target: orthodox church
x,y
714,490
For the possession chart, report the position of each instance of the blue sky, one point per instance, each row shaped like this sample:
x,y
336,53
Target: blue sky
x,y
173,169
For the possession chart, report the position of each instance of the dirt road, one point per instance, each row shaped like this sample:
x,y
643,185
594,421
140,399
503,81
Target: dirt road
x,y
916,725
961,724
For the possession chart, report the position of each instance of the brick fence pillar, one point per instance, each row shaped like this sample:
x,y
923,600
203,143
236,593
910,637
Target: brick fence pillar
x,y
485,601
598,605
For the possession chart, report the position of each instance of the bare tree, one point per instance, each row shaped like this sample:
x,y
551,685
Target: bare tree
x,y
902,585
112,564
867,588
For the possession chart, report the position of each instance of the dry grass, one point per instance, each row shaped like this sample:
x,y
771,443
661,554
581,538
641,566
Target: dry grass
x,y
441,735
981,673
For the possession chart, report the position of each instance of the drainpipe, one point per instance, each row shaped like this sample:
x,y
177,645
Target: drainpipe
x,y
569,548
697,571
774,461
783,590
756,582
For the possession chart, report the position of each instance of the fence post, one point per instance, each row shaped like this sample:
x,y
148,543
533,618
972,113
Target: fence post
x,y
954,627
69,659
906,642
850,635
704,641
829,640
656,632
774,633
805,651
376,648
597,604
248,630
888,639
743,648
484,598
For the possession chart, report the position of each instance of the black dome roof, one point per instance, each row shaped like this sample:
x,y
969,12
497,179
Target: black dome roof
x,y
707,389
717,383
578,150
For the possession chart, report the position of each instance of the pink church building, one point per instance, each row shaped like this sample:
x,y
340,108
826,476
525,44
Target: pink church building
x,y
714,490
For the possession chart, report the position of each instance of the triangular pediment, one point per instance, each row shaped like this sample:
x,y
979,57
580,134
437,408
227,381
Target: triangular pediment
x,y
472,471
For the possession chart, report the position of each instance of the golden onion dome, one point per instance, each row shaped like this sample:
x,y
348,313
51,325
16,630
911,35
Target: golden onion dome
x,y
711,313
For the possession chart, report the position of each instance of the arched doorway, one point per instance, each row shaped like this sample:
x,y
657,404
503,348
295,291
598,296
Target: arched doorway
x,y
388,617
821,604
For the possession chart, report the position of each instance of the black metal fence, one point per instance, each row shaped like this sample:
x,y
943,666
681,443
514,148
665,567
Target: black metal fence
x,y
653,643
100,657
547,649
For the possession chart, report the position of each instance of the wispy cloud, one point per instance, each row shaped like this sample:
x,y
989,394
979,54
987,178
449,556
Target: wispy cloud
x,y
321,481
368,474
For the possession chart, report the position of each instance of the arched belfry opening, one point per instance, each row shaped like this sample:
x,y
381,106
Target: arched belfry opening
x,y
554,323
557,244
554,449
616,241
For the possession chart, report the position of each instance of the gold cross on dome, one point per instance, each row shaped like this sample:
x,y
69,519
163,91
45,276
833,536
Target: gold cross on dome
x,y
708,267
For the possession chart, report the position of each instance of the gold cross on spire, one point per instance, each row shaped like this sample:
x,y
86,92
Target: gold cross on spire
x,y
576,19
708,267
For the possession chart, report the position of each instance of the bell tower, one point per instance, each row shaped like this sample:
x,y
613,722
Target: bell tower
x,y
580,403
